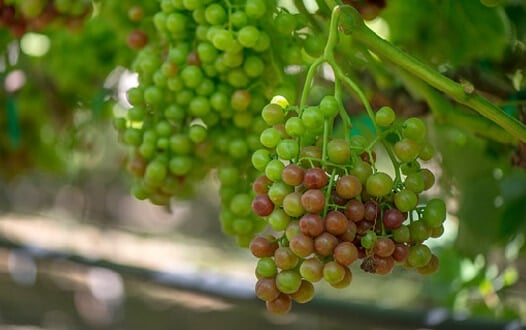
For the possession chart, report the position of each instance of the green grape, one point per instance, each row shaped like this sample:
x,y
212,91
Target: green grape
x,y
215,14
414,129
379,184
405,200
312,117
339,151
385,116
260,159
273,170
248,36
287,149
329,106
273,114
434,213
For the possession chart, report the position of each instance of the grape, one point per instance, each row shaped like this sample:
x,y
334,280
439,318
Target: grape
x,y
384,247
312,269
292,204
315,178
260,185
405,200
260,159
266,267
429,268
400,252
339,151
288,281
383,265
345,282
355,210
401,234
285,258
277,192
407,150
379,184
302,245
419,231
336,222
262,205
311,224
414,129
266,289
434,213
345,253
294,127
292,175
369,239
281,305
287,149
392,218
273,169
385,116
278,219
304,294
348,186
419,255
325,243
333,272
313,201
312,118
263,247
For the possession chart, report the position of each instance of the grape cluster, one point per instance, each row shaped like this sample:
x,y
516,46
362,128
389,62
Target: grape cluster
x,y
329,207
21,16
203,79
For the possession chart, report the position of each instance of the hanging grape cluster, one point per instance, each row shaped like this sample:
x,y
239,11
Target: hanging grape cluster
x,y
202,84
329,207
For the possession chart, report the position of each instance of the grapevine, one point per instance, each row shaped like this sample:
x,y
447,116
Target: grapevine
x,y
254,94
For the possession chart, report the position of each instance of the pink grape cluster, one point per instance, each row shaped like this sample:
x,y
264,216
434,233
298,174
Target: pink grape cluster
x,y
328,207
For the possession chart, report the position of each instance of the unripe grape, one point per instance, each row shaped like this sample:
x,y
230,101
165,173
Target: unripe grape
x,y
414,129
305,293
329,106
385,116
292,205
405,200
288,281
379,184
434,213
419,255
333,272
339,151
312,269
278,219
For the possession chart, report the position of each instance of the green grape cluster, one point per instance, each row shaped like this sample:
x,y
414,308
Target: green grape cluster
x,y
21,16
203,79
329,207
63,99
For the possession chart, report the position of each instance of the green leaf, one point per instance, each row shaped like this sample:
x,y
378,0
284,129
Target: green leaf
x,y
448,31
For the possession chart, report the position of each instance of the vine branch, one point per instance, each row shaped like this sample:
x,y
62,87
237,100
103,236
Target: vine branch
x,y
352,24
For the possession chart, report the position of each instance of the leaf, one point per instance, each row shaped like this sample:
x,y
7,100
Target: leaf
x,y
448,31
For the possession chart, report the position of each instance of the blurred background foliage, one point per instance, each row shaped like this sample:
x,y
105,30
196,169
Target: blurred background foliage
x,y
60,160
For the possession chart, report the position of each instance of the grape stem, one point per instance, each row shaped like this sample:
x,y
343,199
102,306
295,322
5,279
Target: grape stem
x,y
352,24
